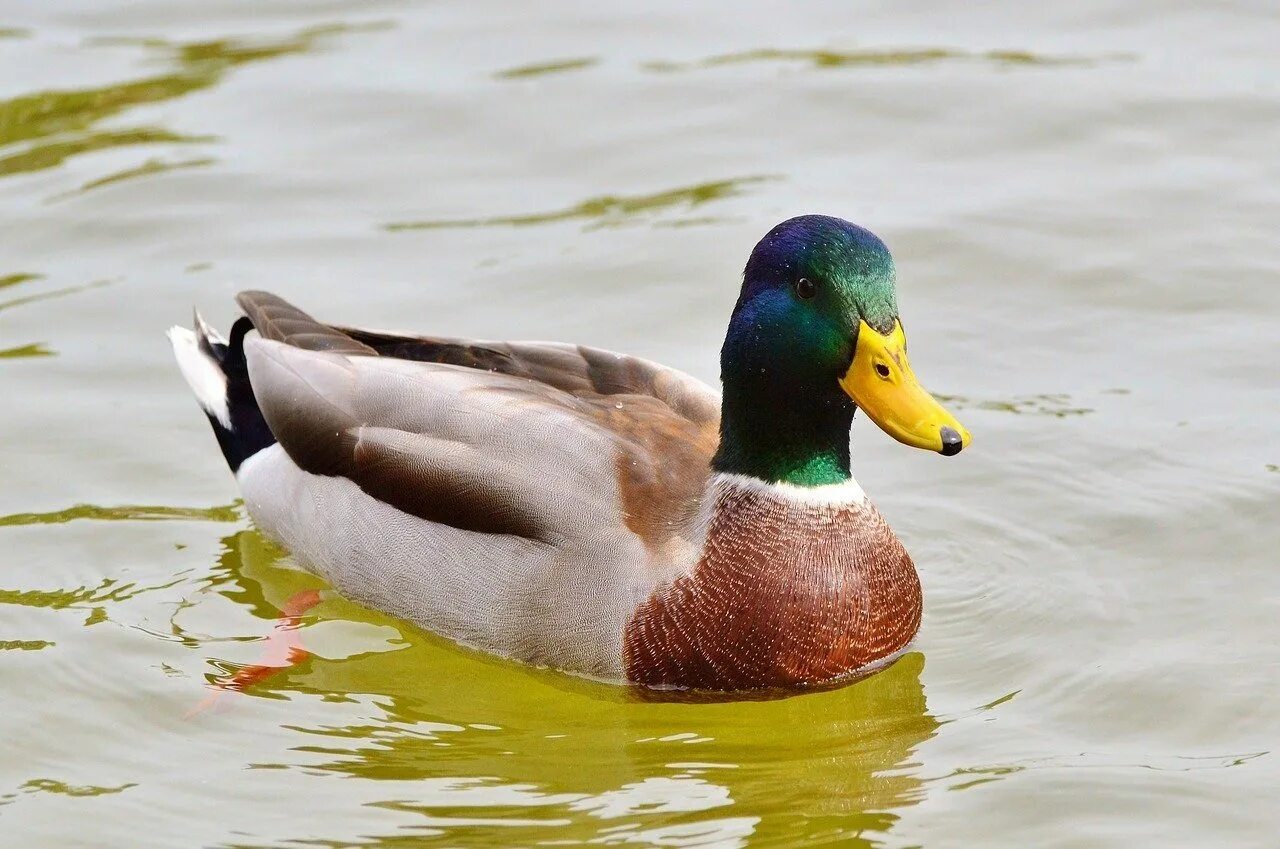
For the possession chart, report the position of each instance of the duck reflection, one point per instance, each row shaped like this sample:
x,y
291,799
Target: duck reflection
x,y
445,734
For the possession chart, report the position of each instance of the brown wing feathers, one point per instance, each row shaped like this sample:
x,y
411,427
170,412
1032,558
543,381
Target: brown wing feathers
x,y
275,318
575,369
435,479
665,426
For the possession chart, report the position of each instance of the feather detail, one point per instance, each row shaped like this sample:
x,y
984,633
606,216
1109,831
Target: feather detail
x,y
202,373
788,592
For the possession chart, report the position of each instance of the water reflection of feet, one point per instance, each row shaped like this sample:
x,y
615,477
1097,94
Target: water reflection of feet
x,y
282,649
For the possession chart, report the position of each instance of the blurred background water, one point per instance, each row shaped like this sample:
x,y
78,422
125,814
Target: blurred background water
x,y
1082,199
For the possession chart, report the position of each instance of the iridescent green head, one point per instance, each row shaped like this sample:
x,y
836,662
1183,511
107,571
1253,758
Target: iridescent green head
x,y
815,335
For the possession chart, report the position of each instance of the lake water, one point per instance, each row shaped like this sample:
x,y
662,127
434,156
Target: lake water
x,y
1083,200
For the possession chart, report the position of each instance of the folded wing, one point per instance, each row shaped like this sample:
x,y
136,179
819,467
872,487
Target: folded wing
x,y
549,442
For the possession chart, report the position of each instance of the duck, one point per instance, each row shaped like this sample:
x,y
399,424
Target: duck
x,y
590,511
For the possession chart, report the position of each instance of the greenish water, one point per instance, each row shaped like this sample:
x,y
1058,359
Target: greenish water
x,y
1083,204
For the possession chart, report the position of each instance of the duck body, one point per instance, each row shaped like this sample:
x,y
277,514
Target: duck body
x,y
557,505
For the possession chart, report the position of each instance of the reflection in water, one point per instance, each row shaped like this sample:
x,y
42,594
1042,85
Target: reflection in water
x,y
125,513
52,154
56,125
151,166
545,68
55,293
831,59
46,785
60,788
603,211
109,590
24,645
94,600
856,58
34,349
7,280
481,749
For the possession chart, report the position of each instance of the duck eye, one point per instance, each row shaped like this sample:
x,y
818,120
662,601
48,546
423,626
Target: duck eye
x,y
806,288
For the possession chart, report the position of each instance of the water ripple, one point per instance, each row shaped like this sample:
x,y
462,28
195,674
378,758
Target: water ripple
x,y
541,69
974,776
882,57
34,349
48,785
126,513
604,211
54,293
151,166
58,124
25,645
54,154
21,277
109,590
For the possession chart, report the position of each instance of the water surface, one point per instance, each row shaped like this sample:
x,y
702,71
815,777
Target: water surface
x,y
1083,204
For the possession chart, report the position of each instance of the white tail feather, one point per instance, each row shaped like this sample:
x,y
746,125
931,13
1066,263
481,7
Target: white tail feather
x,y
202,373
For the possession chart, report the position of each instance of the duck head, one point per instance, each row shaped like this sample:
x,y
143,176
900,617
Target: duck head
x,y
815,335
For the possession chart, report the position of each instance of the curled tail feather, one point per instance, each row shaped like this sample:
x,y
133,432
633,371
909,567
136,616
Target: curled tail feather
x,y
215,370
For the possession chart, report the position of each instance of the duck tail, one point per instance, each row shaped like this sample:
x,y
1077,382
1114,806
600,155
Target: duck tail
x,y
216,372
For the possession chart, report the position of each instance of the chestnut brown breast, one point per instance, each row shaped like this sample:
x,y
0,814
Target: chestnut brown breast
x,y
785,594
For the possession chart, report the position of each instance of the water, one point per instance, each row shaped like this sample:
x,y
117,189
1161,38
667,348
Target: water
x,y
1082,199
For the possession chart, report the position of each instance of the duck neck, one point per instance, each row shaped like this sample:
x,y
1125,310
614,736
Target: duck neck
x,y
784,440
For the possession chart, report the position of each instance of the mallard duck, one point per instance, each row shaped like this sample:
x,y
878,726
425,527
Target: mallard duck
x,y
595,512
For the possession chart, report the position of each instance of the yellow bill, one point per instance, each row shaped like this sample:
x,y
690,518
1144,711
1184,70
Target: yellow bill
x,y
881,383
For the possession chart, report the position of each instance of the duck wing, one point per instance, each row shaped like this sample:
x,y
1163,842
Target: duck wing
x,y
545,441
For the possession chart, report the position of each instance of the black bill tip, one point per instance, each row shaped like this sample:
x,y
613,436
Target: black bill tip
x,y
951,442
